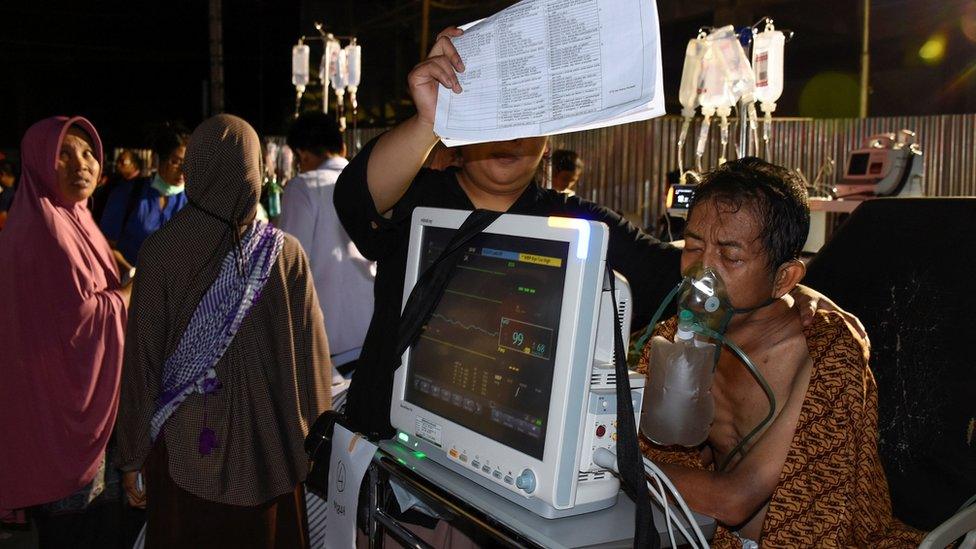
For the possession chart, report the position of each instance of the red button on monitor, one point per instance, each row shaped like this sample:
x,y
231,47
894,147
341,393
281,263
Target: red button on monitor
x,y
600,431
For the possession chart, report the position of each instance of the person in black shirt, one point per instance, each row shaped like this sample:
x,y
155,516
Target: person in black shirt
x,y
377,192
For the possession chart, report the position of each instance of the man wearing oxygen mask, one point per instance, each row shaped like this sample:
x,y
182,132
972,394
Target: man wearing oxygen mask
x,y
791,458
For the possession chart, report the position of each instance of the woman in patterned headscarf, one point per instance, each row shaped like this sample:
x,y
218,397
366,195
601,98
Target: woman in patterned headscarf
x,y
226,361
61,333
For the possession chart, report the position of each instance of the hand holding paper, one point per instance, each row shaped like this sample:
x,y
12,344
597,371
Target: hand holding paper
x,y
438,68
542,67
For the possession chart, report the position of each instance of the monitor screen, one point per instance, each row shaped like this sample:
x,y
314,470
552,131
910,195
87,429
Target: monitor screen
x,y
858,164
485,358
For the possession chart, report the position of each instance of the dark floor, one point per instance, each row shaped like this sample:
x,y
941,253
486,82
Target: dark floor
x,y
12,537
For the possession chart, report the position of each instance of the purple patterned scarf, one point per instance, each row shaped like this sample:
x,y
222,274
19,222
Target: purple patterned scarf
x,y
190,369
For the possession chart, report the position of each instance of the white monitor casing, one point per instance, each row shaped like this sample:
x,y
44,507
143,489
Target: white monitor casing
x,y
582,409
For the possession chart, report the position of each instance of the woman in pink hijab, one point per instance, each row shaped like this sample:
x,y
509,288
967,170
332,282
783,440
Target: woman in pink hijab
x,y
61,330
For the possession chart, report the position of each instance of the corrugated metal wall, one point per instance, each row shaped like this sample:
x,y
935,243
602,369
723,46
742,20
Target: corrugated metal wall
x,y
626,166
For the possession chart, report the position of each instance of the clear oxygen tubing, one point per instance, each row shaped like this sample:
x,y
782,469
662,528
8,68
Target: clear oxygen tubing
x,y
657,316
759,378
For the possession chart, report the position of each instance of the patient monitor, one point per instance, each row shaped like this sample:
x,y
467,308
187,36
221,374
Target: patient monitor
x,y
511,382
886,165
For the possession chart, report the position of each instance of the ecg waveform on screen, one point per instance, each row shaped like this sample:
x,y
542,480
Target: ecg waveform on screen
x,y
464,326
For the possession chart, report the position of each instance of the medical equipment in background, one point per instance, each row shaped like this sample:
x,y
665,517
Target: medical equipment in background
x,y
739,79
691,76
354,68
328,66
299,71
887,164
717,60
679,198
340,67
767,62
715,96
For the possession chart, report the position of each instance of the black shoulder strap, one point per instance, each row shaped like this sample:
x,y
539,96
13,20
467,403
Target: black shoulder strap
x,y
427,292
135,193
629,461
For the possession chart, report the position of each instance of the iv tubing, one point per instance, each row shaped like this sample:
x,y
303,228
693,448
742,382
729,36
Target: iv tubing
x,y
702,140
767,122
724,125
753,127
681,148
759,378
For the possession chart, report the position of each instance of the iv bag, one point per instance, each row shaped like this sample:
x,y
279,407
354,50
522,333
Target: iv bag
x,y
339,74
767,61
734,63
326,67
691,76
354,54
299,66
715,91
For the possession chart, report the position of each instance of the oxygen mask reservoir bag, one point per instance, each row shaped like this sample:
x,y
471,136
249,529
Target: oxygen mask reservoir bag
x,y
678,407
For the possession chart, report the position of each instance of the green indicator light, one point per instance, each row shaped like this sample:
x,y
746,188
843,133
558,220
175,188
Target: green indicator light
x,y
538,422
401,461
419,455
403,437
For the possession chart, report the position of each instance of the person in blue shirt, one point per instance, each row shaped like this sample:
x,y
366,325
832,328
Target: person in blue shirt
x,y
138,208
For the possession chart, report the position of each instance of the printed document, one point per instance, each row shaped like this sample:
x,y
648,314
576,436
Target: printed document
x,y
543,67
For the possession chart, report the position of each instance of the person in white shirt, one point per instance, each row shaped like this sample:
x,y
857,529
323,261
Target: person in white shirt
x,y
343,277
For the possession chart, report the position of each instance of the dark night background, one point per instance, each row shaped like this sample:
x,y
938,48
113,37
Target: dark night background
x,y
130,65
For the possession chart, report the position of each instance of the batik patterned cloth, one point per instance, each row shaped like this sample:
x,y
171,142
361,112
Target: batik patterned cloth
x,y
832,491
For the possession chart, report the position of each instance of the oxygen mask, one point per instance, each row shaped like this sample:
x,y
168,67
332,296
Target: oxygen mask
x,y
703,294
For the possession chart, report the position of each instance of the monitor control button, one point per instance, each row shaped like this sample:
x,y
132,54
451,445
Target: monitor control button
x,y
526,481
475,463
496,473
600,431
